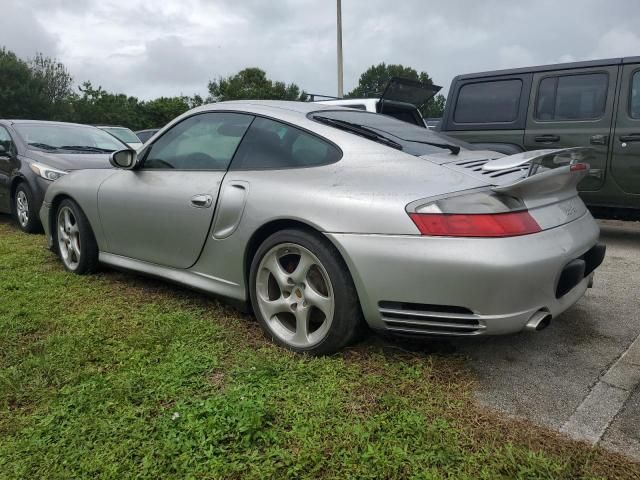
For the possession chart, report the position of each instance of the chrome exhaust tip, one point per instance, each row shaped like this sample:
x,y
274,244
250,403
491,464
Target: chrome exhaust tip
x,y
538,321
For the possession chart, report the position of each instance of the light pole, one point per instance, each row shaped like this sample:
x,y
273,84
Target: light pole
x,y
340,85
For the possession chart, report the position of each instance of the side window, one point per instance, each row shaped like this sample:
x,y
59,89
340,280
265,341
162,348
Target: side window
x,y
634,96
572,97
5,141
202,142
271,144
488,102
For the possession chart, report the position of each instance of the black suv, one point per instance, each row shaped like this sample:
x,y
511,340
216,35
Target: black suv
x,y
595,103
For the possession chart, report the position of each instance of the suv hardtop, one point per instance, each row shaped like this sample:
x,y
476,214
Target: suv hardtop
x,y
593,103
401,99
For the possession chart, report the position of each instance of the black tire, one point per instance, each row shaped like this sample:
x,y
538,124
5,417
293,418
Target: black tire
x,y
347,323
88,259
32,223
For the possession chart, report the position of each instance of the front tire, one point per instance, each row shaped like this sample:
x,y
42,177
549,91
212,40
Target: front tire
x,y
302,293
24,209
74,240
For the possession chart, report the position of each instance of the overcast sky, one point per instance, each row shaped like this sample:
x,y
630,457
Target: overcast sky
x,y
150,48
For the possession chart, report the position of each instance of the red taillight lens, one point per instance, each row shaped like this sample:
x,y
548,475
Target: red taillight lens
x,y
578,167
475,225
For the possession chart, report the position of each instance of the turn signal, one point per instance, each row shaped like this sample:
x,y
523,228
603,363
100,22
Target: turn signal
x,y
509,224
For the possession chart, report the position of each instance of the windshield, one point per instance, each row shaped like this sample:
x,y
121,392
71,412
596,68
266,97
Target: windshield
x,y
405,134
62,138
122,133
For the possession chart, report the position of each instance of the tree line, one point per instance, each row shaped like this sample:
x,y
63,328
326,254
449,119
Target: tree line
x,y
42,88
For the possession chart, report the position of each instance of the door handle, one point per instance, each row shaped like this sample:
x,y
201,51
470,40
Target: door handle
x,y
201,201
547,138
634,137
599,140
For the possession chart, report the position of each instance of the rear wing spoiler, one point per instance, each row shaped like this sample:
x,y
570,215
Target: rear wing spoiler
x,y
549,171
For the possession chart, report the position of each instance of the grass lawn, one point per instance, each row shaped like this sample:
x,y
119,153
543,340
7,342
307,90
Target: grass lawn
x,y
117,376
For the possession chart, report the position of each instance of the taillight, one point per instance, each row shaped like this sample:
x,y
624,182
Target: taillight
x,y
481,213
475,225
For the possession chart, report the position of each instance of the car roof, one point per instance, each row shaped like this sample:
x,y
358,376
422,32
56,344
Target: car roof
x,y
18,121
556,66
275,107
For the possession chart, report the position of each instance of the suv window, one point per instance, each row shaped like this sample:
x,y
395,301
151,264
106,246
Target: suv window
x,y
634,96
271,144
572,97
202,142
488,102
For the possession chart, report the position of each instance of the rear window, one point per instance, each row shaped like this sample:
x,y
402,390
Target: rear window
x,y
488,102
269,144
572,97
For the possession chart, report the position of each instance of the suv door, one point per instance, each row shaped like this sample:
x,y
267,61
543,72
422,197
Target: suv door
x,y
162,211
625,162
7,165
574,108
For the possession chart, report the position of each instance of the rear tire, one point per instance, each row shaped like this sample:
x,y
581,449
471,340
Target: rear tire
x,y
302,293
24,210
73,239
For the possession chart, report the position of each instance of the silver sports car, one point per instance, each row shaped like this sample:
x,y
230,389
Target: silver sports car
x,y
325,219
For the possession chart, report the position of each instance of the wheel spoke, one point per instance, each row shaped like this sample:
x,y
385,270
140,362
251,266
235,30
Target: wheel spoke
x,y
273,307
299,275
273,265
302,325
322,303
75,248
67,221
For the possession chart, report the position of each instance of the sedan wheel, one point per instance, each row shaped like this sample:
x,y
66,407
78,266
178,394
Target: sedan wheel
x,y
68,238
302,293
25,209
22,208
295,295
74,239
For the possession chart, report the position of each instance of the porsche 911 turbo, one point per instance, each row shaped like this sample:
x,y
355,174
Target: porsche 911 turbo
x,y
325,219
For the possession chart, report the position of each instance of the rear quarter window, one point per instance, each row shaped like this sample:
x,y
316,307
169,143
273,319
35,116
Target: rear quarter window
x,y
496,101
269,144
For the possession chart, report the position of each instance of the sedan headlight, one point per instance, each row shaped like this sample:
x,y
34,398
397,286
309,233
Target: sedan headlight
x,y
47,172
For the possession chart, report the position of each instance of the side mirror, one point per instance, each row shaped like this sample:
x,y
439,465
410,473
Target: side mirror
x,y
123,158
3,151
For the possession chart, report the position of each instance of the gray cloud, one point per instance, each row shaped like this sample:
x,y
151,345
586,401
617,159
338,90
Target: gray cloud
x,y
149,48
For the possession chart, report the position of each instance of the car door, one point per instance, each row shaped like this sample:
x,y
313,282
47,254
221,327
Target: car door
x,y
574,108
625,161
7,152
161,212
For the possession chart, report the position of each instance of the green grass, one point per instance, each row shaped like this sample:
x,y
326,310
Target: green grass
x,y
117,376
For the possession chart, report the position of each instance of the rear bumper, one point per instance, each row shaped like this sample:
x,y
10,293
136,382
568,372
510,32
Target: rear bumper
x,y
462,286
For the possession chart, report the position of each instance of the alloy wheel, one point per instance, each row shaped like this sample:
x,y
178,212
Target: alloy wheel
x,y
295,295
68,238
22,208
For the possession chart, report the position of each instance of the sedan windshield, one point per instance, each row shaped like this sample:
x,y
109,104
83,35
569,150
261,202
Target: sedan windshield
x,y
67,138
413,139
122,133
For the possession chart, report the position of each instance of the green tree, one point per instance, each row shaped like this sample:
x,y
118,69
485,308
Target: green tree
x,y
252,83
373,81
435,107
56,85
21,93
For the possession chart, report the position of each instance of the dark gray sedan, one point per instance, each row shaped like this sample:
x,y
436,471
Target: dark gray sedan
x,y
35,153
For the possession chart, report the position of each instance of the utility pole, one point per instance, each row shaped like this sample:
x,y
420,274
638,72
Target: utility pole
x,y
340,85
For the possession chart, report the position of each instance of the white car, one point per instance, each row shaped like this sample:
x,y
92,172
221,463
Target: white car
x,y
123,134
